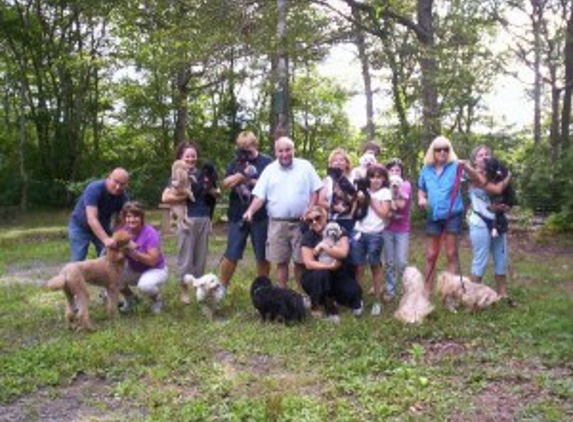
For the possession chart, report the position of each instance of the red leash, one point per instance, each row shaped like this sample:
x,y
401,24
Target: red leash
x,y
457,181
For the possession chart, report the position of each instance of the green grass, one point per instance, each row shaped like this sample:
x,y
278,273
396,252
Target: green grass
x,y
179,366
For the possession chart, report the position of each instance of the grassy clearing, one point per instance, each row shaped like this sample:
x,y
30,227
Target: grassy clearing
x,y
503,364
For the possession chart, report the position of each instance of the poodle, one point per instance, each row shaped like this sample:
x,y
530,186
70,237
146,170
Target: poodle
x,y
276,303
366,160
180,188
330,237
343,192
104,271
395,185
206,287
455,290
415,304
495,173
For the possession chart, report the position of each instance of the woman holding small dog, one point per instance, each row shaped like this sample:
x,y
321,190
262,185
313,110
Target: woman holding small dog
x,y
397,234
327,283
337,193
145,267
484,242
192,243
439,193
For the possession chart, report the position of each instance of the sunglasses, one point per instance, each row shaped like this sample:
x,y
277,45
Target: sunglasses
x,y
315,219
442,149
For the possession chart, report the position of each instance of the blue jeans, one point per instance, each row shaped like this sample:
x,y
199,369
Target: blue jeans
x,y
395,258
367,249
482,245
80,239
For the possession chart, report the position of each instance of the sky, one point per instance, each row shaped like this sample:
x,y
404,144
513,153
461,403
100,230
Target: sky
x,y
507,101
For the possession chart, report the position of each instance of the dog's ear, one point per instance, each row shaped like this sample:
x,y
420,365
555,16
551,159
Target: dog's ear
x,y
121,237
189,279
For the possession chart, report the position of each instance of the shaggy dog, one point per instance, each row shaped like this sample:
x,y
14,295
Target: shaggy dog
x,y
244,167
496,172
181,188
365,161
104,271
395,185
209,181
330,237
206,287
343,192
414,305
276,303
455,290
361,206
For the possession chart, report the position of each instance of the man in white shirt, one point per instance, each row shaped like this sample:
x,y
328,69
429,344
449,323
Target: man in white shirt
x,y
288,187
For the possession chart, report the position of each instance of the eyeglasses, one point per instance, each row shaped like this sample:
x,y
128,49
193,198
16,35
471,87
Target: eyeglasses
x,y
315,219
442,149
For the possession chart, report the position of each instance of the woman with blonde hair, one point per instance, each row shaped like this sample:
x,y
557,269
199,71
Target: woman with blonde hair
x,y
337,192
440,196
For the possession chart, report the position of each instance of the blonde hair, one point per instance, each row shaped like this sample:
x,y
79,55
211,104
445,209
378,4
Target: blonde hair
x,y
429,158
314,210
247,139
342,152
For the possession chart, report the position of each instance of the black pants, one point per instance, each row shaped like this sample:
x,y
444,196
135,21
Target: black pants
x,y
324,287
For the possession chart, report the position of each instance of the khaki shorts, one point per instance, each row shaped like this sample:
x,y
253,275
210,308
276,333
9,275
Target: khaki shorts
x,y
283,242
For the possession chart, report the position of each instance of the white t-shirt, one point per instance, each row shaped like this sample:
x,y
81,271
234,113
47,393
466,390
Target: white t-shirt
x,y
372,223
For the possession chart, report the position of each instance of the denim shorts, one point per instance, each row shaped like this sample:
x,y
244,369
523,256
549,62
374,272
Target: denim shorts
x,y
237,235
454,225
366,248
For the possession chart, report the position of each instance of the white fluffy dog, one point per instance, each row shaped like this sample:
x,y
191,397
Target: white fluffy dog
x,y
330,237
206,286
455,290
414,305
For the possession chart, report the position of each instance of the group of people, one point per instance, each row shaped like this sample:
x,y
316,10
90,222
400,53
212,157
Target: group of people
x,y
283,207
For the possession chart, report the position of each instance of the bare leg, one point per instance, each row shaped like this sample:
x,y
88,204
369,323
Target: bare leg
x,y
452,253
432,251
263,268
298,270
282,274
227,270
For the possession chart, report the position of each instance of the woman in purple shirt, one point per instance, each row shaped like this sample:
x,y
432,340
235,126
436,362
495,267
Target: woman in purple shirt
x,y
145,266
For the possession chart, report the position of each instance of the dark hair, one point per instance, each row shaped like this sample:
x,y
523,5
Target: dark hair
x,y
378,170
373,147
180,150
132,207
395,162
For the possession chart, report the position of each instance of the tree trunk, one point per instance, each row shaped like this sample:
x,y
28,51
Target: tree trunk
x,y
360,42
536,18
22,150
281,98
568,91
181,110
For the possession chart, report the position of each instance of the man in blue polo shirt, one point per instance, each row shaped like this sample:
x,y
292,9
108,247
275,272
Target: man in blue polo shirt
x,y
241,176
288,187
90,221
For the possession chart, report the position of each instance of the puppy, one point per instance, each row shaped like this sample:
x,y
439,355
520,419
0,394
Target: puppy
x,y
495,173
395,185
343,192
209,181
330,237
276,303
414,305
365,161
181,188
243,166
455,290
206,287
363,198
104,271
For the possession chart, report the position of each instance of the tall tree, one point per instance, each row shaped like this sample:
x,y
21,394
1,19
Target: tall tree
x,y
281,108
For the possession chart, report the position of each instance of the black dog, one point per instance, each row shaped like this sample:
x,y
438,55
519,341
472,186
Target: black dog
x,y
244,166
496,172
209,181
276,303
343,191
362,185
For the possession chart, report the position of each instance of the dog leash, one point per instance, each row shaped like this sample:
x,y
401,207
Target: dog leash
x,y
455,190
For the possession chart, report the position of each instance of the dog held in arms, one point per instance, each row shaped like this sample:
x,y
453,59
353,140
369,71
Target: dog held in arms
x,y
455,290
415,304
276,303
208,291
104,271
496,172
180,188
330,237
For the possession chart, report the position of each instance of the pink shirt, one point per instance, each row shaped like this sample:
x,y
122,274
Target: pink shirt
x,y
402,223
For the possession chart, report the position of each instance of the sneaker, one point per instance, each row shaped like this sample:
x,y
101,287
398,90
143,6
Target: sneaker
x,y
103,296
358,311
220,293
334,318
156,304
376,309
128,304
306,302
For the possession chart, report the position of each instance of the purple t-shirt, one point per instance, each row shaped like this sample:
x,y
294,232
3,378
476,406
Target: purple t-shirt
x,y
402,223
147,239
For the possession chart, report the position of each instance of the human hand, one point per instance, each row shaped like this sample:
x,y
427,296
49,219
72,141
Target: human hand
x,y
423,203
109,243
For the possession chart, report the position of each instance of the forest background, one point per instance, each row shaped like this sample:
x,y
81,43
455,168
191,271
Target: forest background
x,y
87,86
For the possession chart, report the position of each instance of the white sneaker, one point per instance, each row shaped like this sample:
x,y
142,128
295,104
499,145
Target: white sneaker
x,y
376,309
306,302
333,318
358,311
156,304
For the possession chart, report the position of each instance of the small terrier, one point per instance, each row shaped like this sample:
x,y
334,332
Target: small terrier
x,y
455,290
206,287
415,304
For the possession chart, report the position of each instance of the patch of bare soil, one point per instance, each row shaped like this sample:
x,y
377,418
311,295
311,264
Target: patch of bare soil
x,y
85,398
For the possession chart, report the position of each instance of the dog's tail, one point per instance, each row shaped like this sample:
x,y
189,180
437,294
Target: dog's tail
x,y
57,283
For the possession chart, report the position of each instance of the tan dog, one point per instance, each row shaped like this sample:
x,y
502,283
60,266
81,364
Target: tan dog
x,y
180,188
104,271
455,290
414,305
